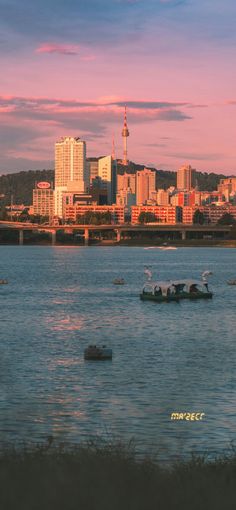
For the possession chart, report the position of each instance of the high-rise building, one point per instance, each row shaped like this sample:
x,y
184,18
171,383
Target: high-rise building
x,y
145,185
70,167
185,176
107,170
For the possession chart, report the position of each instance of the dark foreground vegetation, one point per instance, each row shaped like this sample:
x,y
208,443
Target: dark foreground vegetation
x,y
110,477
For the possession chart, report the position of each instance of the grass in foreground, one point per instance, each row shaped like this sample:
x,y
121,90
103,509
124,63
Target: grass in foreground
x,y
109,477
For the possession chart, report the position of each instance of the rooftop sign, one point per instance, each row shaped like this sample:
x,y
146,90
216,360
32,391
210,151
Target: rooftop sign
x,y
43,185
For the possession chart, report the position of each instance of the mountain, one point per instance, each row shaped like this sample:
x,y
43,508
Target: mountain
x,y
20,185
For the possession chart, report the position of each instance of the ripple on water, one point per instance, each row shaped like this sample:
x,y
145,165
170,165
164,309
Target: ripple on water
x,y
167,357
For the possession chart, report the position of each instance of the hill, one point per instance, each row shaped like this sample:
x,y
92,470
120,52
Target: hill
x,y
20,185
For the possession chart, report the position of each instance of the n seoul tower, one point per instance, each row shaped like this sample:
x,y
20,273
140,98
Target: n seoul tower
x,y
125,134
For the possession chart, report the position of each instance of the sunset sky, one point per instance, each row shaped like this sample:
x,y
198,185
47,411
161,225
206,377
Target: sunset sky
x,y
69,67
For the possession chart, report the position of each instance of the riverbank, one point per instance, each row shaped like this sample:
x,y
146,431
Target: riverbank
x,y
188,243
110,477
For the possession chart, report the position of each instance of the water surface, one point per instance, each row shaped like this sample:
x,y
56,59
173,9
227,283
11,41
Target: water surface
x,y
166,357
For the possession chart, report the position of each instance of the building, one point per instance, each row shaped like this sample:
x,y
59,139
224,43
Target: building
x,y
145,185
107,170
70,167
227,188
185,178
92,166
73,211
211,213
43,199
186,198
71,199
126,198
162,197
126,181
164,214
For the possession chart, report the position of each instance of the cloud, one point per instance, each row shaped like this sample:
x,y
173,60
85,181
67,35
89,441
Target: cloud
x,y
31,125
153,105
66,49
104,110
187,156
98,22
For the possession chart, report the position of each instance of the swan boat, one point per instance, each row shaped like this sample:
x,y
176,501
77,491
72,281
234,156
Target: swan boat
x,y
174,290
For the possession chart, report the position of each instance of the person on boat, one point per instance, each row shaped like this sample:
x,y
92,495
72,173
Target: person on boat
x,y
157,291
193,289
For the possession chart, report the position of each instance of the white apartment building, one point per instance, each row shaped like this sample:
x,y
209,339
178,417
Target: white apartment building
x,y
70,169
107,169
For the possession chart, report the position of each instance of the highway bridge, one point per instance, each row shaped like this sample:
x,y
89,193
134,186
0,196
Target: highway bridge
x,y
179,229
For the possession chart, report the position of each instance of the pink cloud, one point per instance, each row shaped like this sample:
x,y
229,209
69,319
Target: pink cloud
x,y
61,49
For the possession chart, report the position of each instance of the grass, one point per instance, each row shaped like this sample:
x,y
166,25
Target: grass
x,y
104,476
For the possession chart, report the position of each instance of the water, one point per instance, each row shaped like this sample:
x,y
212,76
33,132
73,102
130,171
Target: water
x,y
166,357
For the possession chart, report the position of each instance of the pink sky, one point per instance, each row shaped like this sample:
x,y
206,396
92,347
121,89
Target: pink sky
x,y
171,62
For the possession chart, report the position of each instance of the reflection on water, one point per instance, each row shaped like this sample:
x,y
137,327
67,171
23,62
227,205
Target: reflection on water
x,y
166,357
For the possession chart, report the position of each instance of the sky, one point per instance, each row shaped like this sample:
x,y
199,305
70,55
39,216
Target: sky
x,y
68,69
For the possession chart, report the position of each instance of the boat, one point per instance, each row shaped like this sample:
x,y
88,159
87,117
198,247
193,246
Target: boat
x,y
119,281
174,290
97,353
3,282
231,282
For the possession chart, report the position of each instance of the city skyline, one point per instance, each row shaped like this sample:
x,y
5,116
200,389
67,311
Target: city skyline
x,y
69,70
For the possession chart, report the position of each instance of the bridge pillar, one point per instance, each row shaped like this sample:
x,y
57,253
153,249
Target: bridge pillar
x,y
118,236
86,236
54,237
21,237
183,233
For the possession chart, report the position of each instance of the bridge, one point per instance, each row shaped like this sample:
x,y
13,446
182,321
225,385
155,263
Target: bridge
x,y
182,229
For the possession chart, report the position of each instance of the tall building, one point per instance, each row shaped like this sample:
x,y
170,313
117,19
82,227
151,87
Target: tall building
x,y
70,167
125,134
145,185
107,170
185,176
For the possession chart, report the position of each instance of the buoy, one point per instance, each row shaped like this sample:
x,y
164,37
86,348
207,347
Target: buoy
x,y
96,352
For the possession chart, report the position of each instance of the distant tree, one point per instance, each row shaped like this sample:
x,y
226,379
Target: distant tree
x,y
226,219
198,217
94,218
3,213
147,217
24,216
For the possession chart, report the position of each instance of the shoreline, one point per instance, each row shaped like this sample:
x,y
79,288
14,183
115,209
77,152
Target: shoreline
x,y
127,243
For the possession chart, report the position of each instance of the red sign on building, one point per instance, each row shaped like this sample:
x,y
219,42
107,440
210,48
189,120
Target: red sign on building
x,y
43,185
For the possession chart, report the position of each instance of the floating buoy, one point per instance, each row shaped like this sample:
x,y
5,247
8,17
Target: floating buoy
x,y
95,352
